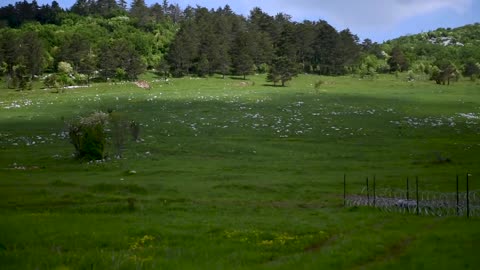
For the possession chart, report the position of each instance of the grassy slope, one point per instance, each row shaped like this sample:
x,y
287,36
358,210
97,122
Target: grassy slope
x,y
231,175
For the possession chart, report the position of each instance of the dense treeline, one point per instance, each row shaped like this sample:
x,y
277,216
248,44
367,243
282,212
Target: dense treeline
x,y
99,39
109,39
221,42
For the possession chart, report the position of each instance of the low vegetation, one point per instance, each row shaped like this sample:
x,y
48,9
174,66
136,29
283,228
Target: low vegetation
x,y
150,137
236,175
106,41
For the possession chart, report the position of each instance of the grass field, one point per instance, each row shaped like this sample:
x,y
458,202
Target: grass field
x,y
234,174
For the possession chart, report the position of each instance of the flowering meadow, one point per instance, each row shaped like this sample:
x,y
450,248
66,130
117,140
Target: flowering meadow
x,y
234,174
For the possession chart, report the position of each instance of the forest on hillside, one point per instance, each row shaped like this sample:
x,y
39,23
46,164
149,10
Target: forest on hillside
x,y
108,40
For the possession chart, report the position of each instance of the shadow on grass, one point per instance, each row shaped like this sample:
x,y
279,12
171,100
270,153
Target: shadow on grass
x,y
273,85
238,78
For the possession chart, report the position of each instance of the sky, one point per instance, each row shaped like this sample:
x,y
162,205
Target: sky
x,y
379,20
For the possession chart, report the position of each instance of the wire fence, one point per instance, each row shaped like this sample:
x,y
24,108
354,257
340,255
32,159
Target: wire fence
x,y
413,199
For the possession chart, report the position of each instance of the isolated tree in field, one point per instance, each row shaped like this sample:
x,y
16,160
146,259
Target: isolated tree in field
x,y
282,70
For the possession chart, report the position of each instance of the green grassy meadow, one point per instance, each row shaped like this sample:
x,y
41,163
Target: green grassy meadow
x,y
233,174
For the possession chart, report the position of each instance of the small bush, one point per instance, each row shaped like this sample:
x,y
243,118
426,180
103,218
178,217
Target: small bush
x,y
120,74
410,76
318,84
88,136
92,134
81,79
66,80
52,81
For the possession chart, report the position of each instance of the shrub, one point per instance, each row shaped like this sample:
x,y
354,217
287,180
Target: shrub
x,y
65,68
58,81
88,136
65,80
410,76
52,81
263,68
92,134
21,78
318,84
81,79
120,74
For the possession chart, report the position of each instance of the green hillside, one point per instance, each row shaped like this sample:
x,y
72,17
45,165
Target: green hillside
x,y
467,35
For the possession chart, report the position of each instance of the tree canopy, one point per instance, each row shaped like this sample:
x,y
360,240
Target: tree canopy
x,y
111,39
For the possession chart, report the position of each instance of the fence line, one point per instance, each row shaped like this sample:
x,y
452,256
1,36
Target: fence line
x,y
388,199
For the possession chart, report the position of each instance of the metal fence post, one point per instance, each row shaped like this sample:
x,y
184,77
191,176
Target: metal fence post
x,y
468,199
344,190
416,190
458,200
408,195
368,194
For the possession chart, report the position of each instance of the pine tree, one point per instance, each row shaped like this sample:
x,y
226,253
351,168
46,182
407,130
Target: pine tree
x,y
140,12
184,50
242,59
122,4
32,53
324,45
283,69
